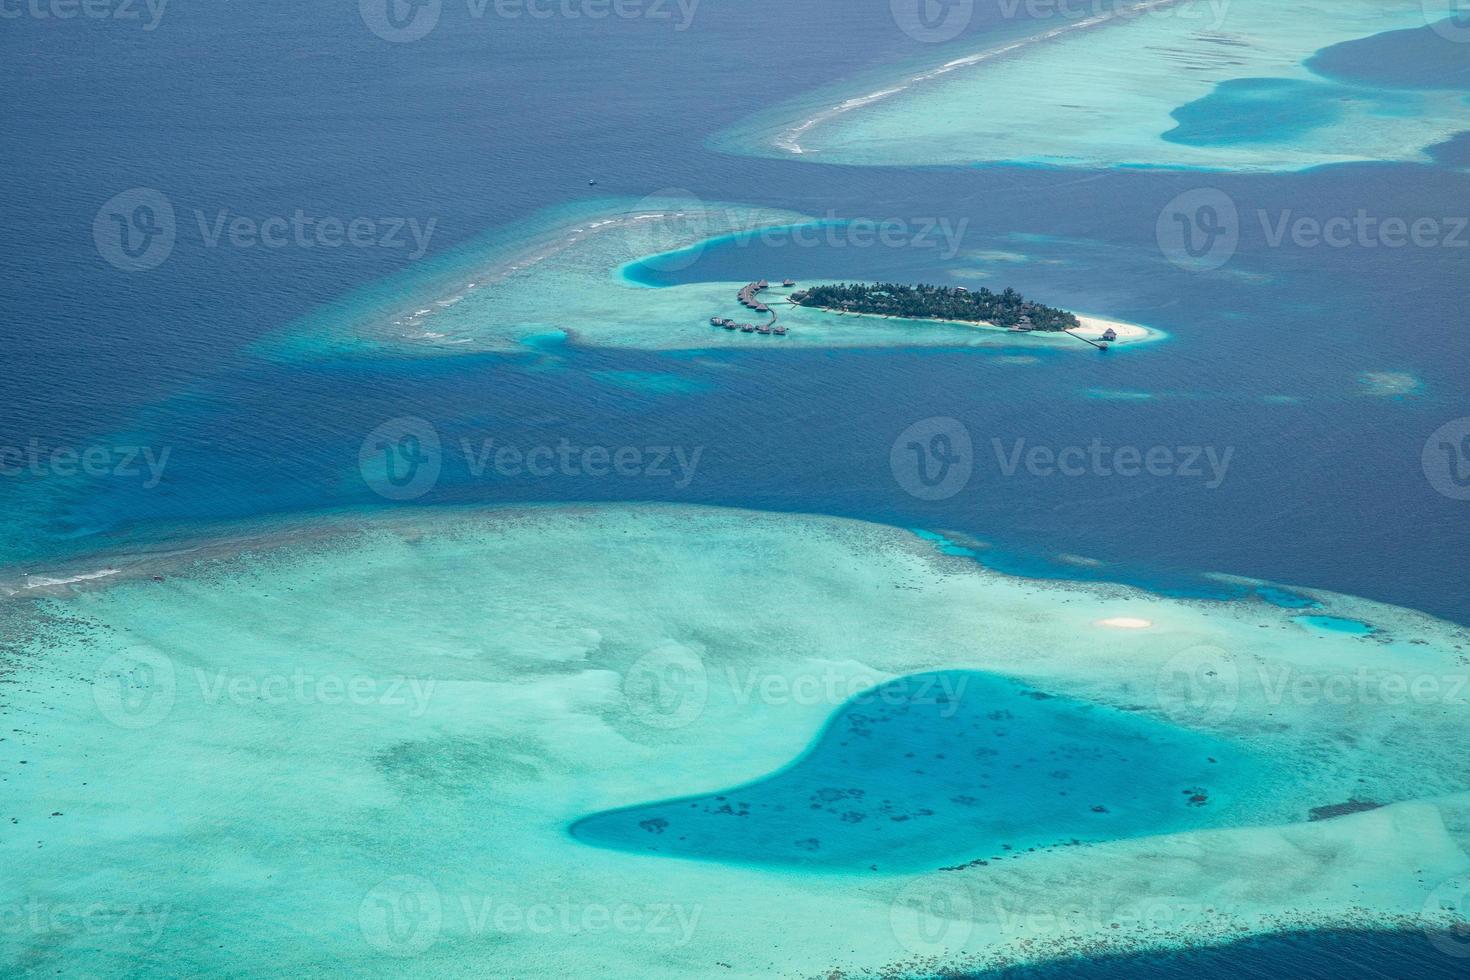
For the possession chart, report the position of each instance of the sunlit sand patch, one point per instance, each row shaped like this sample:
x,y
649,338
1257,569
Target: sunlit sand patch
x,y
1125,623
1390,384
1118,395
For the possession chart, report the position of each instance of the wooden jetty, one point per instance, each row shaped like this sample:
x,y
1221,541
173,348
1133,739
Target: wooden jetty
x,y
750,299
1085,340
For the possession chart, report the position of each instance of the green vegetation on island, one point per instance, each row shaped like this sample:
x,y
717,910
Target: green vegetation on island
x,y
924,302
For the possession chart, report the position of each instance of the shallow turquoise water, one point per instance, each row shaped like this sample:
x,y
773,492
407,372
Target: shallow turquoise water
x,y
1338,624
1285,598
947,768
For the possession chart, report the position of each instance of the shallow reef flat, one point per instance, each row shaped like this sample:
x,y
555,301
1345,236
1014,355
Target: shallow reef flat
x,y
365,745
1235,87
574,277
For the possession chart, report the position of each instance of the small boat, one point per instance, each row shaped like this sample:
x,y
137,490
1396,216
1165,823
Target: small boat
x,y
591,183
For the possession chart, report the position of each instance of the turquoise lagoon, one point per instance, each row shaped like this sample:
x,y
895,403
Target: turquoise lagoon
x,y
598,266
1253,85
486,693
1338,624
949,766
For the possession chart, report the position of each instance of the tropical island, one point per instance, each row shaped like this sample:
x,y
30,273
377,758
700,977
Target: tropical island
x,y
1007,309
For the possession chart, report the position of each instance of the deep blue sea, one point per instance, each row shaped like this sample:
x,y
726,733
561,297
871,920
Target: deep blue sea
x,y
1323,370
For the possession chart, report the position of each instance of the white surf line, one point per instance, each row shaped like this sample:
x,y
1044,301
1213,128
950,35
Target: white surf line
x,y
558,240
790,140
32,581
